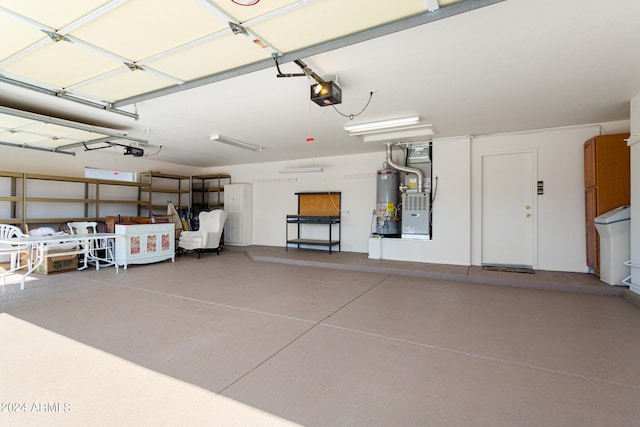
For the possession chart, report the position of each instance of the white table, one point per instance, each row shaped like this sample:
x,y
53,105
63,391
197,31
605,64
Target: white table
x,y
38,247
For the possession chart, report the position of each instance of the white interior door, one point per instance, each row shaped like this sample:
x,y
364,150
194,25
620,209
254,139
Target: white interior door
x,y
508,210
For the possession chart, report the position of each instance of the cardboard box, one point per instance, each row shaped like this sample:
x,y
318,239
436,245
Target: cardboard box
x,y
110,224
56,264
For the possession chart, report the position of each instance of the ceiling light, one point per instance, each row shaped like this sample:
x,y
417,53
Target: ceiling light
x,y
235,142
383,125
245,2
302,170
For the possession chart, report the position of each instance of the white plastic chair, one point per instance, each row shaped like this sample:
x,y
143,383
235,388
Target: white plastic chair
x,y
14,251
95,246
207,238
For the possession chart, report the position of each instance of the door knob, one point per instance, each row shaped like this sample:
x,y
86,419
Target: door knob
x,y
527,206
528,215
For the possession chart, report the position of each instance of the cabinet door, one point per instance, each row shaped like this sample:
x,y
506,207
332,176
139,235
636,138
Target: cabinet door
x,y
233,228
233,194
593,250
613,168
590,163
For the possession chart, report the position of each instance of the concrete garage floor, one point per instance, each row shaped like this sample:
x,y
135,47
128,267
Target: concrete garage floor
x,y
262,336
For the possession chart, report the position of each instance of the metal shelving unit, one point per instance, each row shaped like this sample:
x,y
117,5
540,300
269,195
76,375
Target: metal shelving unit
x,y
27,198
207,192
157,188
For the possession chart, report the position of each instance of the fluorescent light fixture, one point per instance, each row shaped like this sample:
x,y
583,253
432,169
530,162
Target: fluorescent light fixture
x,y
302,170
372,127
411,134
235,142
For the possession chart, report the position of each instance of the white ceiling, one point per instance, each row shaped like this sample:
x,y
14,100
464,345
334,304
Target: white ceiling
x,y
509,66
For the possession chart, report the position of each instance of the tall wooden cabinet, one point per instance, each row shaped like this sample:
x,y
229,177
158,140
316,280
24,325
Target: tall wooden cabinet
x,y
606,183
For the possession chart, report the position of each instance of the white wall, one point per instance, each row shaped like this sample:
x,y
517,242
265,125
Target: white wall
x,y
450,239
354,176
456,222
274,195
561,243
635,192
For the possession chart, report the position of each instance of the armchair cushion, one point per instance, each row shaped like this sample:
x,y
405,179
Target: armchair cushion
x,y
191,240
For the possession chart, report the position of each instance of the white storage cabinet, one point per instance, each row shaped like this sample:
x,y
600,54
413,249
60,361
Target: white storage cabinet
x,y
238,203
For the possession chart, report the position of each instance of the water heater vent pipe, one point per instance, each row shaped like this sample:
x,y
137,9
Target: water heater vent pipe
x,y
407,169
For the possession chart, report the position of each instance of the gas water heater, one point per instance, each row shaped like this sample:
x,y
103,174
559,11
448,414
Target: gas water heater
x,y
387,190
411,218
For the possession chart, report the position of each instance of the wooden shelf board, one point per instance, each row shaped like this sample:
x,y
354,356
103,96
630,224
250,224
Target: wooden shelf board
x,y
11,220
313,242
60,178
209,190
154,174
164,190
58,200
121,183
214,176
122,202
56,220
11,174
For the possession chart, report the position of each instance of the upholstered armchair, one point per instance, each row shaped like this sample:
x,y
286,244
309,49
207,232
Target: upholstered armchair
x,y
207,238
